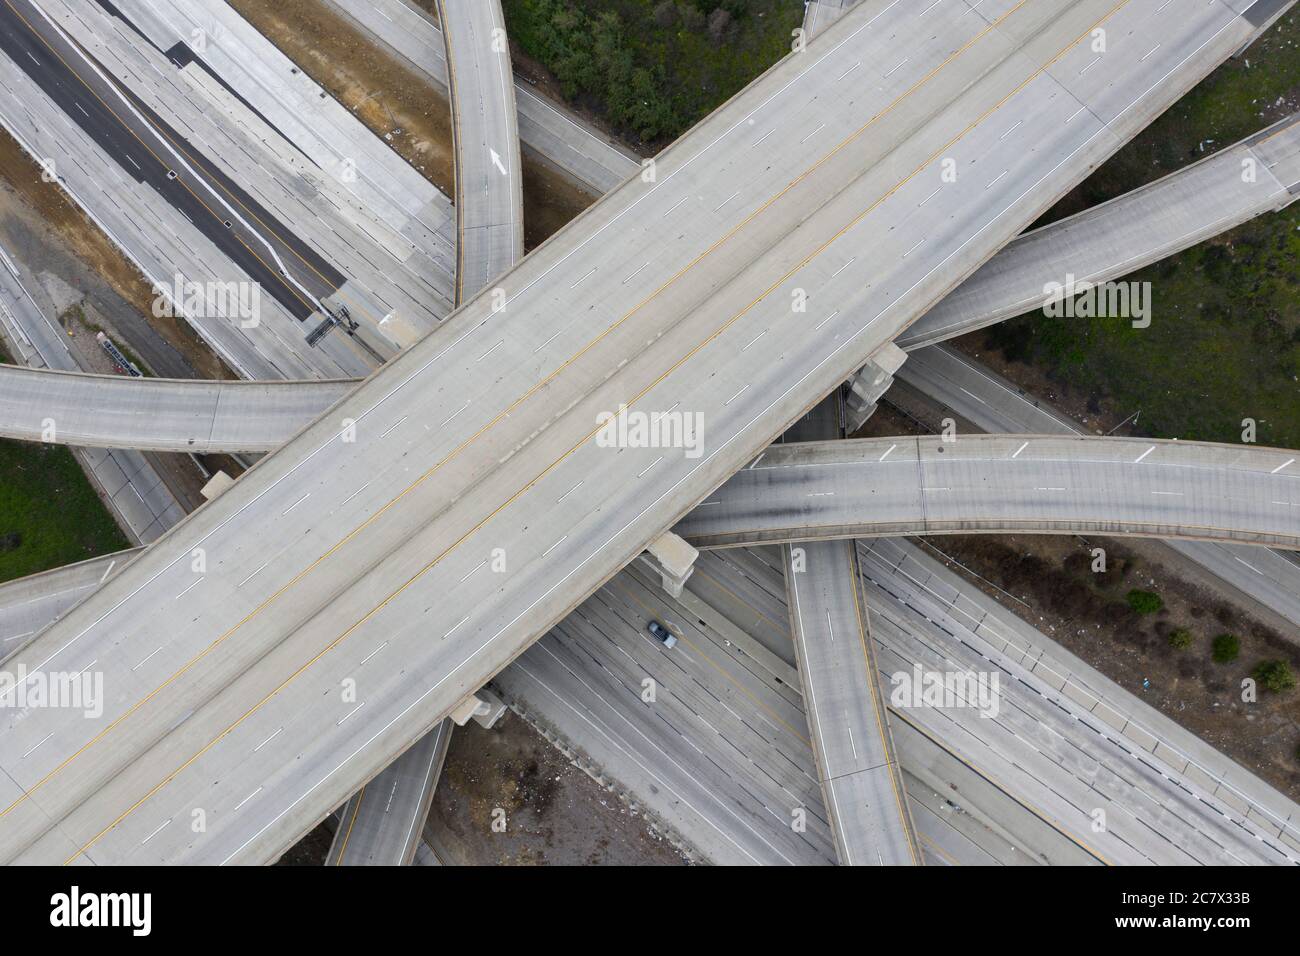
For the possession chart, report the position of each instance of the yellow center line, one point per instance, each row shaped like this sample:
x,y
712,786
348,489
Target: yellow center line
x,y
701,572
501,416
939,850
352,821
555,464
676,365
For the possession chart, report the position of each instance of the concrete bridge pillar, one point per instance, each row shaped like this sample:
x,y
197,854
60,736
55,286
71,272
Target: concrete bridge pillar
x,y
484,708
871,382
674,559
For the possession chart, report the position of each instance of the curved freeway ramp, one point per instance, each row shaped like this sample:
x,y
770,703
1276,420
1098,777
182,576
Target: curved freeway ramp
x,y
810,491
1258,175
154,414
382,822
1005,483
489,187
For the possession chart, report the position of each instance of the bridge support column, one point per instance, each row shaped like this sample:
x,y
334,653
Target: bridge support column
x,y
870,382
484,708
674,559
216,485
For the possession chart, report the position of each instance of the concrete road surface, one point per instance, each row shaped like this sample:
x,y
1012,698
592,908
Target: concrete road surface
x,y
1027,483
489,176
1267,580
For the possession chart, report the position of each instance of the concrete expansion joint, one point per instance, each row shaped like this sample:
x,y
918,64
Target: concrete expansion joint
x,y
860,770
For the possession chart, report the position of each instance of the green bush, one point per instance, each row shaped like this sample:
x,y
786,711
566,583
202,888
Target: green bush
x,y
1274,675
653,67
1180,638
1145,602
1226,648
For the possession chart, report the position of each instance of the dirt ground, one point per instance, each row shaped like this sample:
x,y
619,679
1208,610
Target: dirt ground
x,y
550,202
392,100
397,104
554,813
59,216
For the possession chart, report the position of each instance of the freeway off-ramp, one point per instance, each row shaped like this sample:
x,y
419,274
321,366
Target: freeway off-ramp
x,y
289,798
489,178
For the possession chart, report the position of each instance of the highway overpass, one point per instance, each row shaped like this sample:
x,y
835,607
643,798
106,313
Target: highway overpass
x,y
127,480
166,203
1267,580
1006,483
489,176
1097,245
489,478
154,414
910,485
555,135
1258,175
862,785
861,781
381,823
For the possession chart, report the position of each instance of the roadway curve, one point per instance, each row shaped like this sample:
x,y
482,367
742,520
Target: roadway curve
x,y
1097,245
154,414
1006,483
489,184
